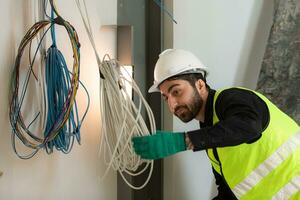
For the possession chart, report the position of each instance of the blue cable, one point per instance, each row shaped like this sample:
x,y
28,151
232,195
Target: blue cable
x,y
58,80
162,7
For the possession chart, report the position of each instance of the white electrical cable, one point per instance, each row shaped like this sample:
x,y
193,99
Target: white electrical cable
x,y
121,118
43,98
41,87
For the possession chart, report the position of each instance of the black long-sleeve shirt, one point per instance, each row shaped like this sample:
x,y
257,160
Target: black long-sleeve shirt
x,y
243,117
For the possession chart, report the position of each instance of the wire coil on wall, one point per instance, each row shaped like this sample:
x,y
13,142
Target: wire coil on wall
x,y
58,89
121,118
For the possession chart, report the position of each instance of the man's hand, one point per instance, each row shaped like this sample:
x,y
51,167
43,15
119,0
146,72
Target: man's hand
x,y
188,143
159,145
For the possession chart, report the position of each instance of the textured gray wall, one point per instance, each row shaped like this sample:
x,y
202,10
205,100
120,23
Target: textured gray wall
x,y
279,78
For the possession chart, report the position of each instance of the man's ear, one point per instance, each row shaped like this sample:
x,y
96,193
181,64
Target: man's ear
x,y
201,86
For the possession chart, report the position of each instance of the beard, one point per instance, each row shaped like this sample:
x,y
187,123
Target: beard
x,y
190,110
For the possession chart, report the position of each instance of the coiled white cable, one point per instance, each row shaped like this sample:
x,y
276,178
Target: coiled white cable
x,y
121,118
41,82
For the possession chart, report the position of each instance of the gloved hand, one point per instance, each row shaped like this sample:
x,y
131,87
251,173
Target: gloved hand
x,y
159,145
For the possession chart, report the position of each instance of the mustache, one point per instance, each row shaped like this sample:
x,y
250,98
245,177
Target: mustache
x,y
180,106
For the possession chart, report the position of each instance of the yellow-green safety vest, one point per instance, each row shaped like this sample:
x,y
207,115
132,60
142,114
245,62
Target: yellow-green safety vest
x,y
268,168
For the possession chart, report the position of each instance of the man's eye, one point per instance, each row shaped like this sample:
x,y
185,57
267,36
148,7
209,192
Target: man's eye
x,y
176,92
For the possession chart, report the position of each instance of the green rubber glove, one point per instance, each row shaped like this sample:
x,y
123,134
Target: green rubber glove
x,y
159,145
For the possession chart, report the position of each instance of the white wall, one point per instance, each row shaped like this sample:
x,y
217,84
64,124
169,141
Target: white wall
x,y
230,38
57,176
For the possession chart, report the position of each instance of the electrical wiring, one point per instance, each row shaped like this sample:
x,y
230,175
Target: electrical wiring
x,y
58,81
162,7
121,118
56,86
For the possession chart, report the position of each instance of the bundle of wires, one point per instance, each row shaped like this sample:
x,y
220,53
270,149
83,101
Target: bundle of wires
x,y
58,114
121,118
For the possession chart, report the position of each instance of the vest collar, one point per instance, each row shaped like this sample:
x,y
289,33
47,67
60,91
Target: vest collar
x,y
208,118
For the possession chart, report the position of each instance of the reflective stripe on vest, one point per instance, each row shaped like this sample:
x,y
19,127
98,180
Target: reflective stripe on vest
x,y
266,168
289,189
282,153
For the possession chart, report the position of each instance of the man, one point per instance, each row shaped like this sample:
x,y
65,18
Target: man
x,y
254,148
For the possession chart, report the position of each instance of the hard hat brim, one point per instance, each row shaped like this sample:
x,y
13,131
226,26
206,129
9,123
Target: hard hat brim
x,y
154,88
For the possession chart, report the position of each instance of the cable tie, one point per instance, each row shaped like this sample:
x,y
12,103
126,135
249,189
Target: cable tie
x,y
59,20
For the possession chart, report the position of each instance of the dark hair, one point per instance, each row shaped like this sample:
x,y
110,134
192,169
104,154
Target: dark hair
x,y
191,78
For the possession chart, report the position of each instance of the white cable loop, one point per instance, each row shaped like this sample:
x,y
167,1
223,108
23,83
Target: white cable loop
x,y
121,118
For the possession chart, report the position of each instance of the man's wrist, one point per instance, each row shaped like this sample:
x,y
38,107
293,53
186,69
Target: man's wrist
x,y
188,143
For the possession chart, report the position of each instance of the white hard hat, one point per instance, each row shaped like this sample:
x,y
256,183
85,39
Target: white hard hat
x,y
173,62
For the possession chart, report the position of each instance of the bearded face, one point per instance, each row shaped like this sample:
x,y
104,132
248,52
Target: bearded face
x,y
188,111
183,99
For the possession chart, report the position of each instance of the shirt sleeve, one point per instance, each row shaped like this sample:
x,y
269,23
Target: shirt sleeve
x,y
243,117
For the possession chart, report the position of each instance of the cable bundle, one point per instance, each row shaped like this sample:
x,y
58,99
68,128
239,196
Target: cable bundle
x,y
121,118
58,115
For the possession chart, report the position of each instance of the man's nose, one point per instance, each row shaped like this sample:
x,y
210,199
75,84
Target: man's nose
x,y
172,104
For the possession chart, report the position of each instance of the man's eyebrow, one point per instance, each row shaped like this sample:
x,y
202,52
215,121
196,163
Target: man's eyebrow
x,y
172,86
